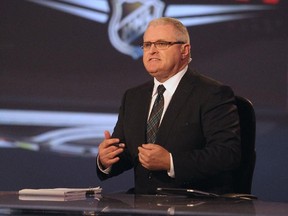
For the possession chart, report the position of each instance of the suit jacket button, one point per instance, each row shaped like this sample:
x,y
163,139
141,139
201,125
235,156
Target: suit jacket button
x,y
150,175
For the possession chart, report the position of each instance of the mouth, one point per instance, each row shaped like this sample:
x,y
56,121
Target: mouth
x,y
154,59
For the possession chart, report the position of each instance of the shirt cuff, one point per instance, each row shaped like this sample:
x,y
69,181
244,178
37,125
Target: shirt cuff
x,y
106,171
171,172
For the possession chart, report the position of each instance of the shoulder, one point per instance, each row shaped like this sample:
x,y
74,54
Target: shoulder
x,y
205,81
200,79
207,88
139,91
142,87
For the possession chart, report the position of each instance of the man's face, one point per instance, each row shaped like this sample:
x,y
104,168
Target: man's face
x,y
162,64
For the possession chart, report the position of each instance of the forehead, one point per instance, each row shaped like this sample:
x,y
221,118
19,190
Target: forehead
x,y
160,32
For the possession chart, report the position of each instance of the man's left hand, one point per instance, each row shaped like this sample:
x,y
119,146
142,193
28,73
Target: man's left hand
x,y
154,157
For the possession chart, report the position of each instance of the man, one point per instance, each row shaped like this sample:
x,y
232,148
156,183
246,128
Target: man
x,y
198,137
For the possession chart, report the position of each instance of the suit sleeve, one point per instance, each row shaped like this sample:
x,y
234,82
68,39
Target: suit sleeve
x,y
125,161
219,149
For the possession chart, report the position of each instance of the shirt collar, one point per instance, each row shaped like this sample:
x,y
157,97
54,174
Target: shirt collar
x,y
170,84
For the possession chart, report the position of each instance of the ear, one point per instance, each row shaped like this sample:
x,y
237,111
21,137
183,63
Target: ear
x,y
185,50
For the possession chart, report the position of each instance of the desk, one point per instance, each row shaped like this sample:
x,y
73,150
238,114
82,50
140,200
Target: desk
x,y
125,204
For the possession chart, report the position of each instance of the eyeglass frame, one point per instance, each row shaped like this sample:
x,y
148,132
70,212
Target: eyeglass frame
x,y
156,43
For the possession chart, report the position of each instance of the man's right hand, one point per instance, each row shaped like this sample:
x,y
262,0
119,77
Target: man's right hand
x,y
109,149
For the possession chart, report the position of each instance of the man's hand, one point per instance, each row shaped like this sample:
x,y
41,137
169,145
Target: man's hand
x,y
109,150
154,157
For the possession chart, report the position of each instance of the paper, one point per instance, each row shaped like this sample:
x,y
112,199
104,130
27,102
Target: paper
x,y
58,198
64,192
50,198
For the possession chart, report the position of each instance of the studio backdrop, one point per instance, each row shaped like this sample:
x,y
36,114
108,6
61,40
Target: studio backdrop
x,y
65,64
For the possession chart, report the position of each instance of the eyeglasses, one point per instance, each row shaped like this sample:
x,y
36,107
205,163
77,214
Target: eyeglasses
x,y
161,45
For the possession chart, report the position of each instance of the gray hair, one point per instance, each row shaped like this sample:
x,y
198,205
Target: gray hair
x,y
181,30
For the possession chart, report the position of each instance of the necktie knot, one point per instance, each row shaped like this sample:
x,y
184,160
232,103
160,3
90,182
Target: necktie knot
x,y
161,89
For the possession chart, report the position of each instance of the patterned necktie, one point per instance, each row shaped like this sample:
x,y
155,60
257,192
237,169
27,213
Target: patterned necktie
x,y
155,116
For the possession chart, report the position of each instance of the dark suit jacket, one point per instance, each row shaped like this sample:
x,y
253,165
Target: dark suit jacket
x,y
200,128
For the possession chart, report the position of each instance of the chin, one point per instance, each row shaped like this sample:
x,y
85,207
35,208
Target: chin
x,y
153,73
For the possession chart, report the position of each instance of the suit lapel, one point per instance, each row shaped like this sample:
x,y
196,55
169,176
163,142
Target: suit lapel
x,y
143,103
178,100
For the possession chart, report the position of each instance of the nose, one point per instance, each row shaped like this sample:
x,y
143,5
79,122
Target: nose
x,y
153,48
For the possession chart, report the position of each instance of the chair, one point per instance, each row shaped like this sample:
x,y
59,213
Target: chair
x,y
244,174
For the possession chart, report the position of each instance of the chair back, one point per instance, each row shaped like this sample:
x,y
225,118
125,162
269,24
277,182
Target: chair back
x,y
244,174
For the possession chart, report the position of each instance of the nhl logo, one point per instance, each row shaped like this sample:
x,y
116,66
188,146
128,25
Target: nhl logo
x,y
129,21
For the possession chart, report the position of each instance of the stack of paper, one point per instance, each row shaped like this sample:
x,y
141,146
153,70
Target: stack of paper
x,y
58,194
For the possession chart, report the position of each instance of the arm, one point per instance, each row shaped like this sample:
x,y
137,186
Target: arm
x,y
219,149
113,157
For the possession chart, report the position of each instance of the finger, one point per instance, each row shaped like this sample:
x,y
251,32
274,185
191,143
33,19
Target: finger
x,y
115,152
108,158
107,143
109,162
111,141
149,146
119,145
141,159
112,153
142,151
143,162
113,161
107,134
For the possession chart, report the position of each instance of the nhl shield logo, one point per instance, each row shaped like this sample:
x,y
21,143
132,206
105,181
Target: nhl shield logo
x,y
129,21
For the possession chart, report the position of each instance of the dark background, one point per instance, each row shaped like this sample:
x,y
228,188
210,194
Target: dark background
x,y
50,60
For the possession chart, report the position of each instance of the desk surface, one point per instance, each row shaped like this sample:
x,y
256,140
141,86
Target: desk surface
x,y
124,204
